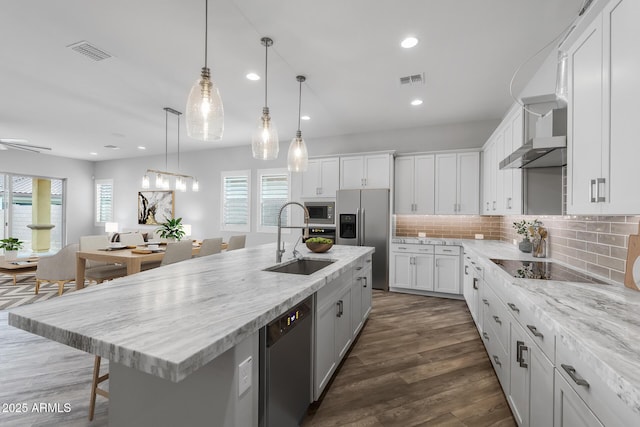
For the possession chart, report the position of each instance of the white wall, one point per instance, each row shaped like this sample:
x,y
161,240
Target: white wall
x,y
202,209
79,189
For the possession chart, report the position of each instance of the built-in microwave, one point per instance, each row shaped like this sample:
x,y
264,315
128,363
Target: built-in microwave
x,y
321,212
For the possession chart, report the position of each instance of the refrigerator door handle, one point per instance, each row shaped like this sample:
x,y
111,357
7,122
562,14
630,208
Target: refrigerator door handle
x,y
358,221
362,226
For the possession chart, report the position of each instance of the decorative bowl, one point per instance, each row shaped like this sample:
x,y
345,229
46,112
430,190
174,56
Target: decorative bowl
x,y
318,247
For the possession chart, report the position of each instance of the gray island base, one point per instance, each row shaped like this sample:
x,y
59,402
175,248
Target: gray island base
x,y
174,336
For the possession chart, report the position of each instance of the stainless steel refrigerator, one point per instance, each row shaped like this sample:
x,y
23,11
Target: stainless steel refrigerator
x,y
363,220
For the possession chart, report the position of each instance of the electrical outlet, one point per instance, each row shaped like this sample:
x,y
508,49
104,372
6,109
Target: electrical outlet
x,y
244,376
479,236
515,241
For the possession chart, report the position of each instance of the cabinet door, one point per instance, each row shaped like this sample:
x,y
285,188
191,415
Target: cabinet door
x,y
585,130
377,171
401,270
621,33
351,172
367,293
518,391
356,305
325,360
447,274
467,284
310,179
513,199
404,185
329,177
497,207
468,188
423,268
569,409
488,178
446,184
541,389
424,185
344,333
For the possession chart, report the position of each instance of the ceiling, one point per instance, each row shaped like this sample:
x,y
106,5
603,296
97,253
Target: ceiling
x,y
349,51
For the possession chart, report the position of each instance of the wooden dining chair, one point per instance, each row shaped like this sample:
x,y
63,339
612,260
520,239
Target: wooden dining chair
x,y
59,268
95,390
131,239
236,242
210,246
177,251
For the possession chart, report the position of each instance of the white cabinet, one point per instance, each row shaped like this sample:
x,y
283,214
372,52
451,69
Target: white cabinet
x,y
489,172
412,266
457,183
602,113
471,282
361,295
368,171
530,381
325,353
414,184
344,333
447,269
321,178
569,409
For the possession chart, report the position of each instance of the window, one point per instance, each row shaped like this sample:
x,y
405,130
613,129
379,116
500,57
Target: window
x,y
236,196
273,193
104,201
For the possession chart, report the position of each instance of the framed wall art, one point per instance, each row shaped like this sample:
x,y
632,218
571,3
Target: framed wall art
x,y
155,207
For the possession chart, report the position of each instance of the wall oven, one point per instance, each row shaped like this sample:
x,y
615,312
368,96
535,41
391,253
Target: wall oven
x,y
321,212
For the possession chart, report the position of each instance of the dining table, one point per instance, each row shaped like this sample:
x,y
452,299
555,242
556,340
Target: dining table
x,y
131,257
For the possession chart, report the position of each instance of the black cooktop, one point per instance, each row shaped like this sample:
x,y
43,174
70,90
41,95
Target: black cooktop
x,y
543,271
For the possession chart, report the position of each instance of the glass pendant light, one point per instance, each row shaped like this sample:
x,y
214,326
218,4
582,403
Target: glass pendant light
x,y
145,181
264,141
205,113
298,158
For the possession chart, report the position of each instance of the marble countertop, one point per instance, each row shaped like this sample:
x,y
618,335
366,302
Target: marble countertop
x,y
600,322
170,321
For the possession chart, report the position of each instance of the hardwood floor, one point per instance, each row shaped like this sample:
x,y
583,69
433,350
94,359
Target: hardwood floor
x,y
418,361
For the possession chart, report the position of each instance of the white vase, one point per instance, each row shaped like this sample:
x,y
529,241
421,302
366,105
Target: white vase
x,y
10,255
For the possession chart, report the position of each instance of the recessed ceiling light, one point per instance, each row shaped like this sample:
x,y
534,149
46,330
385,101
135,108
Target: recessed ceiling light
x,y
305,118
409,42
416,102
140,147
253,76
93,153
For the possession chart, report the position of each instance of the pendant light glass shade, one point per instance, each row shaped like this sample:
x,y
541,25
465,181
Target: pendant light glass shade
x,y
145,181
264,139
298,158
204,112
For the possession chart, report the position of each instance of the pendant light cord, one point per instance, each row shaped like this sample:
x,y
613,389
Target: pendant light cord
x,y
206,30
166,138
266,56
299,104
178,142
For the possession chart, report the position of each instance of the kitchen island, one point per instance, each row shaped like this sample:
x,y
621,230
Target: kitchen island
x,y
175,335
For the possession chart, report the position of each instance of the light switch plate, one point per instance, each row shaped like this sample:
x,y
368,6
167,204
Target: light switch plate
x,y
244,376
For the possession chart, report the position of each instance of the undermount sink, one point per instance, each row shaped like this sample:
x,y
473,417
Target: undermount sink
x,y
304,266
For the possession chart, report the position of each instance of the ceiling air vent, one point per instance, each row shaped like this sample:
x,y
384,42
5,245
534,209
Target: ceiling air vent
x,y
87,49
412,80
113,147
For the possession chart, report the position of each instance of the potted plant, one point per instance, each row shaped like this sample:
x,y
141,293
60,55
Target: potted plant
x,y
172,229
11,245
525,229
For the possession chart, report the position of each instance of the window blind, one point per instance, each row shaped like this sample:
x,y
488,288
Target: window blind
x,y
104,201
235,200
274,192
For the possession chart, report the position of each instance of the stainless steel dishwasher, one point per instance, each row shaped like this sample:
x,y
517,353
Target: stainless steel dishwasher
x,y
285,367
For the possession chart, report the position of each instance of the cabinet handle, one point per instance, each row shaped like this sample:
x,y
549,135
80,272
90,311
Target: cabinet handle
x,y
513,307
598,198
508,202
484,300
520,347
575,377
447,250
479,268
497,319
494,205
466,270
338,314
366,282
455,207
475,283
497,360
487,205
320,190
591,184
402,247
358,268
535,331
485,336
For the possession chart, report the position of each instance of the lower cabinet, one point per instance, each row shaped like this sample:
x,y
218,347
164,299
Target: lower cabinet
x,y
471,283
342,306
447,270
570,410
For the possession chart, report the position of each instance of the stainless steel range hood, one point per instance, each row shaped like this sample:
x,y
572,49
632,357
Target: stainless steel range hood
x,y
547,146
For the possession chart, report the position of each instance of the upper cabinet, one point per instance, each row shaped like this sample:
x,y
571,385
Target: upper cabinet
x,y
367,171
321,178
457,185
603,113
502,189
415,184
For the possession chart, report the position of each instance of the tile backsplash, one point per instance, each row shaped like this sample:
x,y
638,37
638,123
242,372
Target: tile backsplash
x,y
597,244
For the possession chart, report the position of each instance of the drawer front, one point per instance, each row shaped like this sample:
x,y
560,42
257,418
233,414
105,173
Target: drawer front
x,y
447,250
540,331
499,358
601,399
414,249
495,316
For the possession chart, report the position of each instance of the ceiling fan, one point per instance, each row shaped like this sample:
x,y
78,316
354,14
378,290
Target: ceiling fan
x,y
20,144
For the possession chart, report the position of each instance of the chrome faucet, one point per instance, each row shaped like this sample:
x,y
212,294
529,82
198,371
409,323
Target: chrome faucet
x,y
279,251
